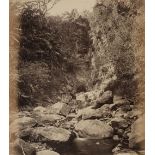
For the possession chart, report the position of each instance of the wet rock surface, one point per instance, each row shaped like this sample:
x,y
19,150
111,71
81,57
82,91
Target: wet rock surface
x,y
52,128
55,127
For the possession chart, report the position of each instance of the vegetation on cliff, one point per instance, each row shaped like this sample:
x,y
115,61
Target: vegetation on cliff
x,y
78,73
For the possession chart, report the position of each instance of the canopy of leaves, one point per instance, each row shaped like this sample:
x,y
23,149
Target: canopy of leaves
x,y
52,49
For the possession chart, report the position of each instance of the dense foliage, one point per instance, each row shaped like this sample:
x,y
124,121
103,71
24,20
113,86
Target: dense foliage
x,y
52,49
57,54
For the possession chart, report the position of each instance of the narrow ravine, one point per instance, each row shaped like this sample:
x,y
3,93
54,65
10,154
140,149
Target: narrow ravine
x,y
79,79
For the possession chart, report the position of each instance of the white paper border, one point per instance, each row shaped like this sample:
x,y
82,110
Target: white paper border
x,y
149,77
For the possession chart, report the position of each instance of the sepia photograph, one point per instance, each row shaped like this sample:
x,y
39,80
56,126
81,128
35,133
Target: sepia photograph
x,y
76,77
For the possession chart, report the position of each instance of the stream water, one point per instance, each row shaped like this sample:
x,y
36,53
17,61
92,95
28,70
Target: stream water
x,y
81,146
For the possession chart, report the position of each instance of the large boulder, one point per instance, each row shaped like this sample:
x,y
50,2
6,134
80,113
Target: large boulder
x,y
119,122
20,147
21,124
86,99
15,115
105,98
60,108
93,129
137,135
69,124
39,109
25,134
49,119
47,152
89,113
47,115
119,103
120,113
52,135
71,116
105,110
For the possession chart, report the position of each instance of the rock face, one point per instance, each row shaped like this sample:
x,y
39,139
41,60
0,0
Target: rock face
x,y
47,152
137,135
20,147
93,129
60,108
53,135
106,98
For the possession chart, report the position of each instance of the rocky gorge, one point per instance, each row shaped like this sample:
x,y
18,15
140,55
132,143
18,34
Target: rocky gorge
x,y
44,130
78,86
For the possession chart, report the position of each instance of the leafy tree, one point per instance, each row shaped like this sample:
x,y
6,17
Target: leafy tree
x,y
39,41
61,43
39,45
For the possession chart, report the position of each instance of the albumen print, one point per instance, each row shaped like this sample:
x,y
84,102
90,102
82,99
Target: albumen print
x,y
77,77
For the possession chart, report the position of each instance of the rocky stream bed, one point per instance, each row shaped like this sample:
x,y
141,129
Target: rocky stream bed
x,y
95,123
